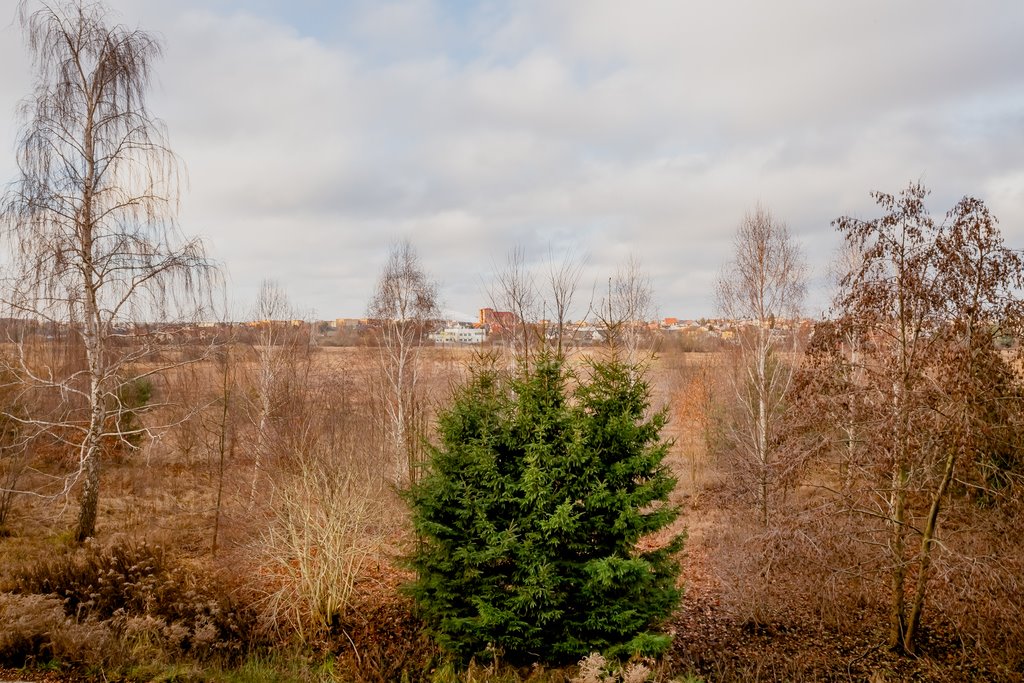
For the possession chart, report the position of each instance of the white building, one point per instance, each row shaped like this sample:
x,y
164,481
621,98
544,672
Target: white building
x,y
460,335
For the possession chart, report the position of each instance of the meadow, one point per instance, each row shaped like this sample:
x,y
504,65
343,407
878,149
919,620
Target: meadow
x,y
213,563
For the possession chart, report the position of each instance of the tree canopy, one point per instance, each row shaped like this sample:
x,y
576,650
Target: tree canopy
x,y
532,511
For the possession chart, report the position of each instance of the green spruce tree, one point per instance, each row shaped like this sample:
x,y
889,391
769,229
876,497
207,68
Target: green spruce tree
x,y
530,515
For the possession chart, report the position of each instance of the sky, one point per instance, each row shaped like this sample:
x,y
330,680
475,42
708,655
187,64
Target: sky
x,y
317,133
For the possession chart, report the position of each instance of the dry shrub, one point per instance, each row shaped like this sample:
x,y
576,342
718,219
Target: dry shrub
x,y
327,511
28,622
594,668
697,414
323,530
99,582
978,584
137,592
822,567
36,630
806,568
381,639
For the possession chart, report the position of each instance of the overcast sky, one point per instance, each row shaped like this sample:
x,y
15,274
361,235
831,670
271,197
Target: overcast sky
x,y
316,133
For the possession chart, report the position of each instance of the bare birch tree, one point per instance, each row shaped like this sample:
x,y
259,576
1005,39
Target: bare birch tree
x,y
403,306
91,219
761,290
281,355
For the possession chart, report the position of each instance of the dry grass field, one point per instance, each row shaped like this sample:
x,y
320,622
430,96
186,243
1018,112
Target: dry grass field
x,y
289,569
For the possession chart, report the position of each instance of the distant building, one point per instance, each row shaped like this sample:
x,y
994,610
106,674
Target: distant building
x,y
460,335
276,323
497,321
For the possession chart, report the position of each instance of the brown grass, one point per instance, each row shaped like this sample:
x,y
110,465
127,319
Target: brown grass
x,y
317,552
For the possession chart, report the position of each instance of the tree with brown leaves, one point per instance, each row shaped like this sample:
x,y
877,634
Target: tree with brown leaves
x,y
926,390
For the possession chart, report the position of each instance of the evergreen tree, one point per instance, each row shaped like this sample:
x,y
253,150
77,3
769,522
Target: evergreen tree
x,y
530,515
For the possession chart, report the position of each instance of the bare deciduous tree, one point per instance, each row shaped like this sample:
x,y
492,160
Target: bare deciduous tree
x,y
281,357
92,218
759,290
514,290
219,429
404,304
563,279
541,305
627,309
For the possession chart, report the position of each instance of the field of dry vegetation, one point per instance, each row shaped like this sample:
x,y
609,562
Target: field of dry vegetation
x,y
186,501
260,541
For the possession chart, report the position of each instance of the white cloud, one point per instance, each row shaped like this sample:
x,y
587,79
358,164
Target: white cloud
x,y
315,135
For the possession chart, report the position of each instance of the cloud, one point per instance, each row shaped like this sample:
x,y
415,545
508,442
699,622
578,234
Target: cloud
x,y
315,134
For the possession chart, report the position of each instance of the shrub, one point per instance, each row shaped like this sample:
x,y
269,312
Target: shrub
x,y
596,669
139,590
323,531
531,511
36,630
27,621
